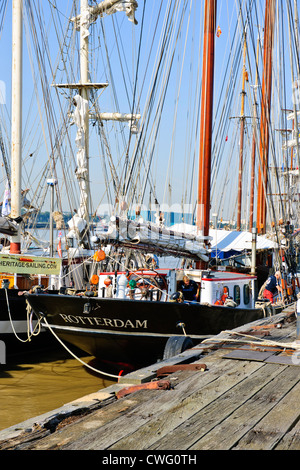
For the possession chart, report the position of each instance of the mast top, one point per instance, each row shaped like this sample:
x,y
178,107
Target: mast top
x,y
108,7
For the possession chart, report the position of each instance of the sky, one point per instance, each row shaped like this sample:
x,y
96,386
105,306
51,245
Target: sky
x,y
174,148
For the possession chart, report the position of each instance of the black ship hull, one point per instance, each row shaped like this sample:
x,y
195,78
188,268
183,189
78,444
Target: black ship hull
x,y
132,331
19,329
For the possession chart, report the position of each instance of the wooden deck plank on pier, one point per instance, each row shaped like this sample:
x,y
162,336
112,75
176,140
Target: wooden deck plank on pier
x,y
190,431
228,433
143,406
291,440
275,424
235,403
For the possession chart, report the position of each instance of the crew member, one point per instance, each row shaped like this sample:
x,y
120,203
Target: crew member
x,y
189,289
272,287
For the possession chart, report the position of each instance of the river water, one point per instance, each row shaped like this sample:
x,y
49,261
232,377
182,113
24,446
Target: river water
x,y
38,382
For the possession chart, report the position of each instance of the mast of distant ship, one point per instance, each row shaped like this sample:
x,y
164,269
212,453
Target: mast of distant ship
x,y
265,116
203,208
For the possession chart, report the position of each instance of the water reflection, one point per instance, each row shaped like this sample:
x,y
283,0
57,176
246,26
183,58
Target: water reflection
x,y
43,381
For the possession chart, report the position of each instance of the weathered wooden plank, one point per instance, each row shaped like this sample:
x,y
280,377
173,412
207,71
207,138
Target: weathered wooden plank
x,y
291,440
163,422
87,424
228,433
203,406
283,359
24,439
272,428
209,417
248,355
147,404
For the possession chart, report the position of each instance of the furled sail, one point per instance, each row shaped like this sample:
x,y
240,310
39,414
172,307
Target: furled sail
x,y
146,235
78,222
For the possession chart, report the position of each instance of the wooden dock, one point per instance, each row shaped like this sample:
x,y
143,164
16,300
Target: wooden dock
x,y
237,391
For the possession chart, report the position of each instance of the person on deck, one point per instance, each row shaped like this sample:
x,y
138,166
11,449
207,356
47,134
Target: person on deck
x,y
272,287
189,289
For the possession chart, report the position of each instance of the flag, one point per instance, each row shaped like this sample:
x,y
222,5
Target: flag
x,y
6,204
219,32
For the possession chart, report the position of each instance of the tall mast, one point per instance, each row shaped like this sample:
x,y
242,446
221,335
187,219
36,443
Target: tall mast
x,y
203,209
82,22
84,78
16,125
265,116
253,155
242,131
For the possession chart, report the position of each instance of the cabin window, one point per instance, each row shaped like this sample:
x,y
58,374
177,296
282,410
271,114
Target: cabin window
x,y
246,294
237,294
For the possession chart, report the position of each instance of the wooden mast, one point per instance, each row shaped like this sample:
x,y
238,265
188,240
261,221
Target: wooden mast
x,y
253,156
203,208
265,116
242,131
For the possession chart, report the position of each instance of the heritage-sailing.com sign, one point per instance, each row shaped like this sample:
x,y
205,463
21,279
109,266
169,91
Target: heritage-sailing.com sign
x,y
29,264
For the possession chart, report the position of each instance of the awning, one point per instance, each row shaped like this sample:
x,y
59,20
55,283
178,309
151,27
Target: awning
x,y
229,242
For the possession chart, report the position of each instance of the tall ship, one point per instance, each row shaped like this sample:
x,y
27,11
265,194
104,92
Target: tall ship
x,y
134,286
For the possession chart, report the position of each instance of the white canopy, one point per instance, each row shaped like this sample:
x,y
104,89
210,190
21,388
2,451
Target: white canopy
x,y
226,240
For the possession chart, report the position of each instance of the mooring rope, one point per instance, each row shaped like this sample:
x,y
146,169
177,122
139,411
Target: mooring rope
x,y
30,331
77,358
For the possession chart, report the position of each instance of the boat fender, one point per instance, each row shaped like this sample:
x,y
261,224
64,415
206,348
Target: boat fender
x,y
177,345
107,281
94,279
132,284
99,256
121,286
